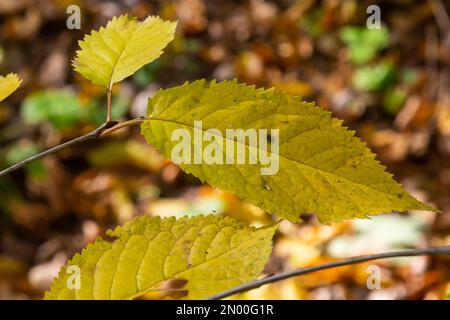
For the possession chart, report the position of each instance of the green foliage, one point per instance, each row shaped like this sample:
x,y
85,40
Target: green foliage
x,y
61,108
374,78
394,100
364,44
8,84
323,167
125,45
212,253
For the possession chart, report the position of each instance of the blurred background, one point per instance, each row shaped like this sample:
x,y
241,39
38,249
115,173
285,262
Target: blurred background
x,y
390,84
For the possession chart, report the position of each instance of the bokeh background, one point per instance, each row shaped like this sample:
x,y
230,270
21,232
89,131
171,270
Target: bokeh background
x,y
391,85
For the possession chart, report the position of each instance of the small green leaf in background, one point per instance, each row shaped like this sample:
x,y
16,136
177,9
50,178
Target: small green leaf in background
x,y
363,43
374,78
323,168
394,99
61,108
8,84
212,253
125,45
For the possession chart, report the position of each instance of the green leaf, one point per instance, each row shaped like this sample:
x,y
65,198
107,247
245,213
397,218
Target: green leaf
x,y
213,253
61,108
8,85
374,78
323,167
394,100
125,45
363,43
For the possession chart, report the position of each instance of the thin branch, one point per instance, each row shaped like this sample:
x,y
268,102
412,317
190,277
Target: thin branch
x,y
104,129
88,136
281,276
135,121
124,124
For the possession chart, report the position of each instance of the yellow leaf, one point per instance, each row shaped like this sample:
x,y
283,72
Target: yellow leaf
x,y
8,85
322,167
213,253
121,48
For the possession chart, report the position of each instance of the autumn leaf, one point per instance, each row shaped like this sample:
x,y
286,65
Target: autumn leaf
x,y
213,253
323,167
8,84
121,48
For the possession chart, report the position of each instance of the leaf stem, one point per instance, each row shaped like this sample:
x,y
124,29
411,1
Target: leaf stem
x,y
124,124
285,275
108,95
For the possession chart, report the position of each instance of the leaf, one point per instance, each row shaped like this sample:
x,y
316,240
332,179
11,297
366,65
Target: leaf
x,y
59,107
8,85
363,43
213,253
374,78
323,168
116,51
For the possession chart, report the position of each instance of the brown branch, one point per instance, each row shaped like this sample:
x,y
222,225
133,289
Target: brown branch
x,y
285,275
86,137
124,124
104,129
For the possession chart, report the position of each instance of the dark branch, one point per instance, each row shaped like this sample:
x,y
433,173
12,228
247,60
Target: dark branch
x,y
281,276
89,136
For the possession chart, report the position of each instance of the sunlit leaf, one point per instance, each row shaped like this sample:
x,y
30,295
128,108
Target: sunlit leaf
x,y
125,45
8,84
323,167
212,253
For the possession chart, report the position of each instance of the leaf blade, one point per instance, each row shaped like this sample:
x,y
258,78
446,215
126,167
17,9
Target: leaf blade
x,y
8,84
150,250
121,48
323,169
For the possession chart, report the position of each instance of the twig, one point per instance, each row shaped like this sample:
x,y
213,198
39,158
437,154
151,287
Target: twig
x,y
88,136
353,260
124,124
104,129
132,122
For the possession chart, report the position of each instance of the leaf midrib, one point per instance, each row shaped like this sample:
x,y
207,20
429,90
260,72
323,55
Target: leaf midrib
x,y
280,155
116,63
